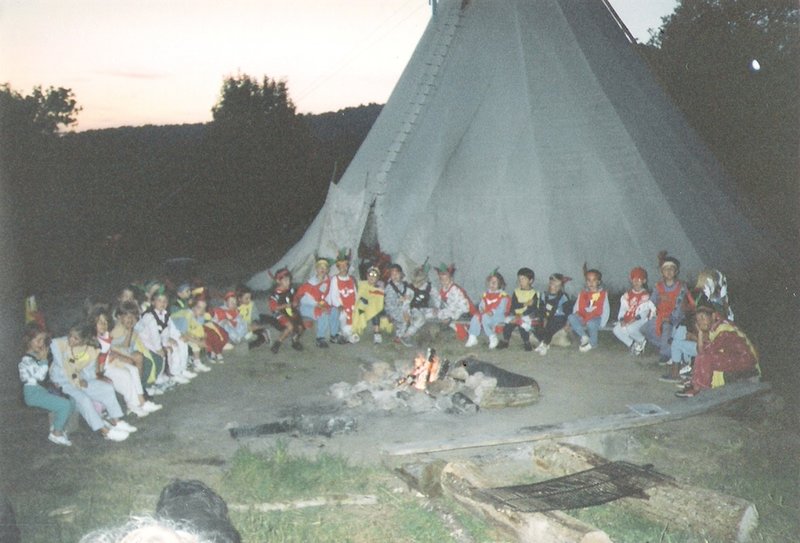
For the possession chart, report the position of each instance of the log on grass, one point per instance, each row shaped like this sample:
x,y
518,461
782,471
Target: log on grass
x,y
462,481
678,506
320,501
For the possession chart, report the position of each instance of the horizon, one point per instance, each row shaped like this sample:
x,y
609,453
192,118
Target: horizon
x,y
147,63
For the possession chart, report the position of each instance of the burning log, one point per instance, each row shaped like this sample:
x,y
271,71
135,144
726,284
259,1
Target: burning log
x,y
427,369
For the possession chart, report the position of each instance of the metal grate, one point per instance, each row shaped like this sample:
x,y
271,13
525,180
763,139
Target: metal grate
x,y
583,489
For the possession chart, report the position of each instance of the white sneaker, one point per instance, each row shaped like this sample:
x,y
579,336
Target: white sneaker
x,y
585,347
124,426
377,338
355,338
139,411
151,407
543,348
199,366
638,347
154,391
471,341
180,379
493,341
228,347
59,440
189,374
115,434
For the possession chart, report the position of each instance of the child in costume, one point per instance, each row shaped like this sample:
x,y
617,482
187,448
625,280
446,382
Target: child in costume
x,y
667,296
525,311
183,297
283,308
257,331
724,352
74,370
37,391
342,299
369,306
711,289
591,310
227,316
160,335
310,298
119,368
555,308
395,302
451,303
635,309
492,311
420,305
126,341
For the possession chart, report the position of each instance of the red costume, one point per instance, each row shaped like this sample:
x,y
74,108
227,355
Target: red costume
x,y
727,350
589,305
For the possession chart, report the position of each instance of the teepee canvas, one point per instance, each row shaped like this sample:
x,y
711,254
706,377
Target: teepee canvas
x,y
530,133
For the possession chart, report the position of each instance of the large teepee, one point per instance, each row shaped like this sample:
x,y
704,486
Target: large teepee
x,y
530,133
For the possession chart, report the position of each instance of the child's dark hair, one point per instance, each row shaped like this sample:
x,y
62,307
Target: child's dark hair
x,y
587,271
32,329
128,308
526,272
242,289
97,312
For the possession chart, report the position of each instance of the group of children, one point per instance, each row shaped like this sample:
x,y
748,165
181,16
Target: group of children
x,y
665,317
143,345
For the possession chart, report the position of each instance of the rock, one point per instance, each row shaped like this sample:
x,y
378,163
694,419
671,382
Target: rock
x,y
340,391
421,402
375,372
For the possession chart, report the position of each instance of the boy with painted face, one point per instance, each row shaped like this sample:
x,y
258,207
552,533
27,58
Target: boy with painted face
x,y
591,310
369,308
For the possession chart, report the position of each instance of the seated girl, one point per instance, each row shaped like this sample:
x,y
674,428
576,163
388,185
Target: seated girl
x,y
282,305
119,368
492,311
74,370
37,390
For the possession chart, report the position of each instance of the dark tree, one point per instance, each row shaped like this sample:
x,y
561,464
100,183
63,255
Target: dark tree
x,y
262,161
746,111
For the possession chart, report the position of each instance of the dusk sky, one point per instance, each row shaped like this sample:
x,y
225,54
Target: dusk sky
x,y
136,62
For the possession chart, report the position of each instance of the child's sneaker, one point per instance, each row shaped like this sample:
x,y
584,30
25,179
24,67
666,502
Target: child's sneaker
x,y
377,338
151,407
199,366
115,434
60,440
493,341
543,348
139,411
525,345
125,427
638,347
321,343
296,345
228,347
471,341
502,344
586,346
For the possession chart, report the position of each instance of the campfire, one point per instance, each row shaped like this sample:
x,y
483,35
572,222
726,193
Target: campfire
x,y
427,368
432,383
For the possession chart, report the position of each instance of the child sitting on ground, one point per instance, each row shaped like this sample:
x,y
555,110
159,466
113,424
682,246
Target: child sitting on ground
x,y
451,303
418,307
667,296
342,300
492,311
395,301
310,298
227,316
257,332
37,391
281,303
555,308
525,310
591,310
635,309
126,341
369,306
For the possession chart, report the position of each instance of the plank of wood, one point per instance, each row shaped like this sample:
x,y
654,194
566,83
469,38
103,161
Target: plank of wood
x,y
706,401
319,501
691,509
